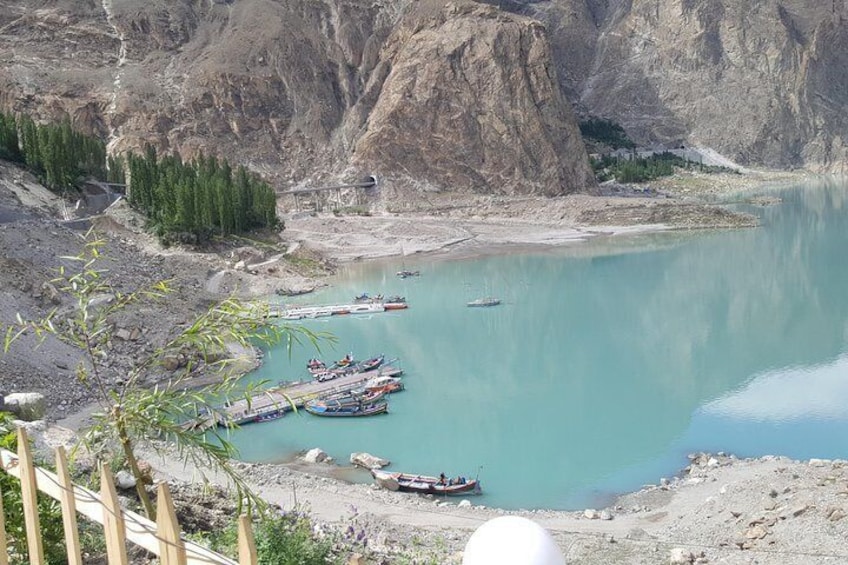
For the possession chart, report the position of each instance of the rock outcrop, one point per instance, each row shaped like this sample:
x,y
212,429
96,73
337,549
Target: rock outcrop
x,y
762,82
472,100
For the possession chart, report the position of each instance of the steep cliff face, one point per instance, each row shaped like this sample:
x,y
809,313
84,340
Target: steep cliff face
x,y
460,94
472,100
292,87
762,82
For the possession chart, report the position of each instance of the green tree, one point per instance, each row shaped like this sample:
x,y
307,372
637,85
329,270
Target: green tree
x,y
134,415
9,148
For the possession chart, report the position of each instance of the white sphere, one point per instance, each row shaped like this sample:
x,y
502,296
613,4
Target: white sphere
x,y
511,540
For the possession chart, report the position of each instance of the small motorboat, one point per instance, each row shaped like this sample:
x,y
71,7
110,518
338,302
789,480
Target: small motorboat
x,y
423,484
269,416
352,398
316,366
395,303
406,274
335,409
483,302
370,364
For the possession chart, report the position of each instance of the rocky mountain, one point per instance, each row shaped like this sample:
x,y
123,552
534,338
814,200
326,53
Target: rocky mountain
x,y
763,82
446,95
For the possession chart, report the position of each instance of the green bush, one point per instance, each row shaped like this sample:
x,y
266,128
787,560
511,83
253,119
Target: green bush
x,y
282,538
49,510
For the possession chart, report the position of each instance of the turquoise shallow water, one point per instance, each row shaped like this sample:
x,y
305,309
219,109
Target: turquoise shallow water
x,y
606,364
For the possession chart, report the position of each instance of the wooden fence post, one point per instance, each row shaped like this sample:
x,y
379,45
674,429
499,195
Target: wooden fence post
x,y
69,508
246,542
171,547
113,519
29,497
4,554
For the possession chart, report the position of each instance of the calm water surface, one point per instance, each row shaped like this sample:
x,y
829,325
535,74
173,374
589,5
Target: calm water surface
x,y
606,364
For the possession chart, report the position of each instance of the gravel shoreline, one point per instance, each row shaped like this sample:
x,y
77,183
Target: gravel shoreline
x,y
718,510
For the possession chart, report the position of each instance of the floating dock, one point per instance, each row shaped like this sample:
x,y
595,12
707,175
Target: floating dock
x,y
281,398
305,312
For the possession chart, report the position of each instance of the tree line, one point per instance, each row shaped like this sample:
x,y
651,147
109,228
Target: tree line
x,y
199,196
190,200
641,169
60,156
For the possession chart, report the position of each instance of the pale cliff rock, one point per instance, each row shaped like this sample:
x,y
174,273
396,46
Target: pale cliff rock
x,y
472,101
762,82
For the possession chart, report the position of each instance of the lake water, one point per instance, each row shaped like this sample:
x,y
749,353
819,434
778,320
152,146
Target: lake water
x,y
607,362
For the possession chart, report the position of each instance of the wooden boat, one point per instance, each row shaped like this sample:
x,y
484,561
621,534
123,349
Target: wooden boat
x,y
366,298
384,383
345,366
423,484
397,305
369,364
269,416
335,409
488,301
352,397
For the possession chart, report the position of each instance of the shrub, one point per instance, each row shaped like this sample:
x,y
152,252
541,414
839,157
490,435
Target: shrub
x,y
49,510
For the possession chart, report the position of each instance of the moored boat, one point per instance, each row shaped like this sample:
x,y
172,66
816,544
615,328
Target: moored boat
x,y
488,301
269,416
405,274
335,409
423,484
386,385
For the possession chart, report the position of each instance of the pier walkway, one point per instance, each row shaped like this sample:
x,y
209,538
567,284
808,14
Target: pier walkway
x,y
281,398
299,313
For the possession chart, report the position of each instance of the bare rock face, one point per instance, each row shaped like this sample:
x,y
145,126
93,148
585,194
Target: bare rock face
x,y
292,87
471,100
762,82
456,94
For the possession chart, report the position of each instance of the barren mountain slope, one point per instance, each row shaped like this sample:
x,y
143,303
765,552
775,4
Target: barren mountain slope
x,y
291,87
479,86
763,82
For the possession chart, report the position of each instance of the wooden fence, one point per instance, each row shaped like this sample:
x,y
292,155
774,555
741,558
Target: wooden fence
x,y
161,537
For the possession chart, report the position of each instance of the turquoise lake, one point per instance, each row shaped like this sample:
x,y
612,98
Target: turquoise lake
x,y
607,363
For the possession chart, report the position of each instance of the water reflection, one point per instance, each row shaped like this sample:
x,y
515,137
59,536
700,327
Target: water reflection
x,y
818,393
607,361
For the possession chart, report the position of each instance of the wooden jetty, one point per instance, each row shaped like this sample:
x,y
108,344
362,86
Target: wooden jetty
x,y
300,313
282,398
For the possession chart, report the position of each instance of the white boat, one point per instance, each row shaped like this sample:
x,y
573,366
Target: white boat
x,y
488,301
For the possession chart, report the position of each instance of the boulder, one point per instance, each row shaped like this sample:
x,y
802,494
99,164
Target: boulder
x,y
28,406
316,455
50,293
368,461
680,556
124,480
386,480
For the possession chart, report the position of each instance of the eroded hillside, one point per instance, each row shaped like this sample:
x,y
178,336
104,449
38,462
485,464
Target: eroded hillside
x,y
460,97
448,95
